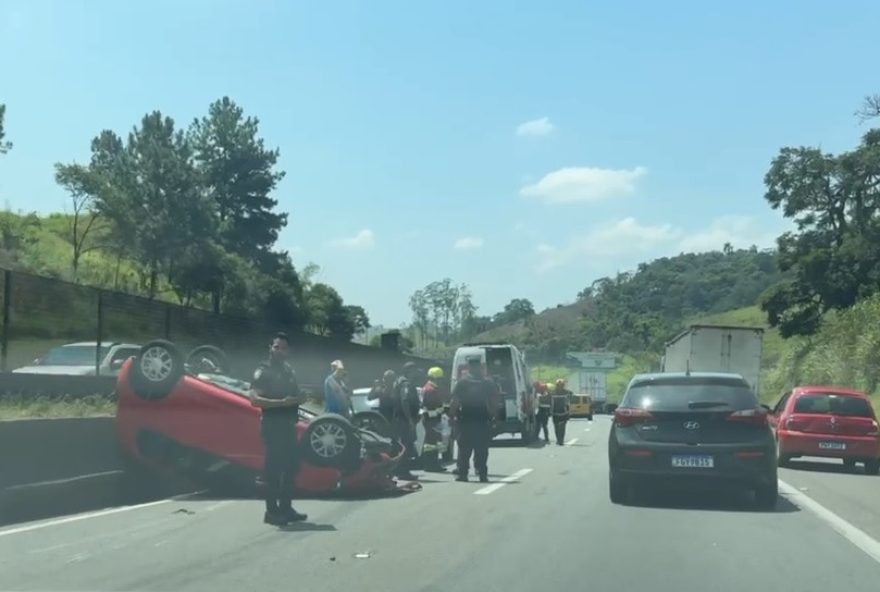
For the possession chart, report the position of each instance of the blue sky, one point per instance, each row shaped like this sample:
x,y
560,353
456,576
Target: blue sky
x,y
523,148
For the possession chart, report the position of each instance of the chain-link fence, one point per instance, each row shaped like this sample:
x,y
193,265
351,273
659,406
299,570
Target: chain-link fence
x,y
39,315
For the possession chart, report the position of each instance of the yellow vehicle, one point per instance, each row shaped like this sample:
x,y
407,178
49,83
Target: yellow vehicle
x,y
582,406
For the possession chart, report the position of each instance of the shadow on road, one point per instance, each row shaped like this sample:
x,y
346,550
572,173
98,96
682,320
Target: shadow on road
x,y
819,466
677,497
308,527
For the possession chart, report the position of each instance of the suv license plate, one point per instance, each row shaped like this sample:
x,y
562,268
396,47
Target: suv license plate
x,y
832,446
693,462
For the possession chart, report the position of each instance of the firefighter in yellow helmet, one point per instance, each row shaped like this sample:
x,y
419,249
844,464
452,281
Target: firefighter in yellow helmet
x,y
433,401
561,409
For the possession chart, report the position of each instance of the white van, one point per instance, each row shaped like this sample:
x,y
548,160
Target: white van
x,y
506,365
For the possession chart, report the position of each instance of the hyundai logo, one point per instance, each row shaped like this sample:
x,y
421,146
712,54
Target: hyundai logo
x,y
691,425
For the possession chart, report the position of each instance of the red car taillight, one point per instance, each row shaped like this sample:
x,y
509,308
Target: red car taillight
x,y
756,416
875,429
625,417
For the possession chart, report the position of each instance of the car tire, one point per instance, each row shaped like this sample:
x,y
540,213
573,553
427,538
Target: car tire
x,y
618,488
590,417
767,494
872,467
331,441
214,355
372,421
156,369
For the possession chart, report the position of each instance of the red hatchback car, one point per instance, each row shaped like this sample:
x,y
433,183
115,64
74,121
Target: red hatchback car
x,y
174,416
830,422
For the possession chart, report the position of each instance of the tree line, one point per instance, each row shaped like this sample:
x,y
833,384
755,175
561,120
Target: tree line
x,y
193,209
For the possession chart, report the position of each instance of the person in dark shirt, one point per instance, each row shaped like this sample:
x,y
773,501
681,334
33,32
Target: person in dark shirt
x,y
561,409
275,391
406,414
383,390
474,405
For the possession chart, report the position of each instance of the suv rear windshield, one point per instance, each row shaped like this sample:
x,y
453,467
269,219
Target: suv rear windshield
x,y
687,394
833,404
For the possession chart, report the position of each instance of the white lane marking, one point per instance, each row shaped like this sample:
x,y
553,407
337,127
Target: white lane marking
x,y
856,536
504,481
587,430
98,514
571,442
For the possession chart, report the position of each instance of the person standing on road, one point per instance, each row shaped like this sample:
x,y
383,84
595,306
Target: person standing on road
x,y
561,408
336,398
276,392
474,404
383,390
543,416
433,399
407,405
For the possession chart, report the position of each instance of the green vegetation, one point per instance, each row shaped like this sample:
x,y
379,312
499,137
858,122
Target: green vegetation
x,y
184,215
30,407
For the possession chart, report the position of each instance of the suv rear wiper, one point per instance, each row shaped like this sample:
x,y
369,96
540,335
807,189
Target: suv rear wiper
x,y
707,404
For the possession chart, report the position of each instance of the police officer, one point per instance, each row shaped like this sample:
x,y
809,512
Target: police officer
x,y
276,392
474,405
561,408
407,405
383,390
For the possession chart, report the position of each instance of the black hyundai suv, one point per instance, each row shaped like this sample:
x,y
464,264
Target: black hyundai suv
x,y
698,426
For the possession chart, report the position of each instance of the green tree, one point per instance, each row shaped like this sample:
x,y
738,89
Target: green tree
x,y
238,173
360,321
833,256
4,145
515,310
80,182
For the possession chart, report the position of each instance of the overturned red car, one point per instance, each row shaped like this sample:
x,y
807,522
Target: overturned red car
x,y
186,416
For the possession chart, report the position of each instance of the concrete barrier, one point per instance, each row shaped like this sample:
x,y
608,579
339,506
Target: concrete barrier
x,y
55,384
50,467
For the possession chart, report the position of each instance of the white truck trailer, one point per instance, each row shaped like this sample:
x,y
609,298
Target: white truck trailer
x,y
717,348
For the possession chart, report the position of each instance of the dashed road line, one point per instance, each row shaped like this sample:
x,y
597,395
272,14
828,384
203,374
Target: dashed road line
x,y
504,481
572,442
853,534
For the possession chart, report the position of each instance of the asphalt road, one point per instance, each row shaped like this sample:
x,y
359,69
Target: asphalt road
x,y
551,527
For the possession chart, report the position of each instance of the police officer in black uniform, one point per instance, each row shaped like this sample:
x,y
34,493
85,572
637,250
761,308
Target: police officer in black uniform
x,y
276,392
407,405
474,406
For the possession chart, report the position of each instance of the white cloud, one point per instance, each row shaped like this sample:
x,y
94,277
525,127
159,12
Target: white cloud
x,y
536,127
628,238
468,242
364,239
583,184
624,237
739,231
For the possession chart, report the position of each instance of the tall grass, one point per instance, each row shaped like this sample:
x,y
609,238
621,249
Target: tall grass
x,y
30,407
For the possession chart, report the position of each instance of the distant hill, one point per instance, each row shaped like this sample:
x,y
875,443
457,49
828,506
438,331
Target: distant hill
x,y
638,311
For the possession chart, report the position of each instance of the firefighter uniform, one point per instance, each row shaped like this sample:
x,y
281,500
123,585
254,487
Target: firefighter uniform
x,y
543,417
433,401
561,410
473,405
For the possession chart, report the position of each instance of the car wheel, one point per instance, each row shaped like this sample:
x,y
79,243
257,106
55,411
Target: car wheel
x,y
767,494
590,417
372,421
331,441
618,488
156,369
872,467
208,359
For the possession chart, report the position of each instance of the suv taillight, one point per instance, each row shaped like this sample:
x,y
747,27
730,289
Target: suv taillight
x,y
756,416
875,429
625,417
